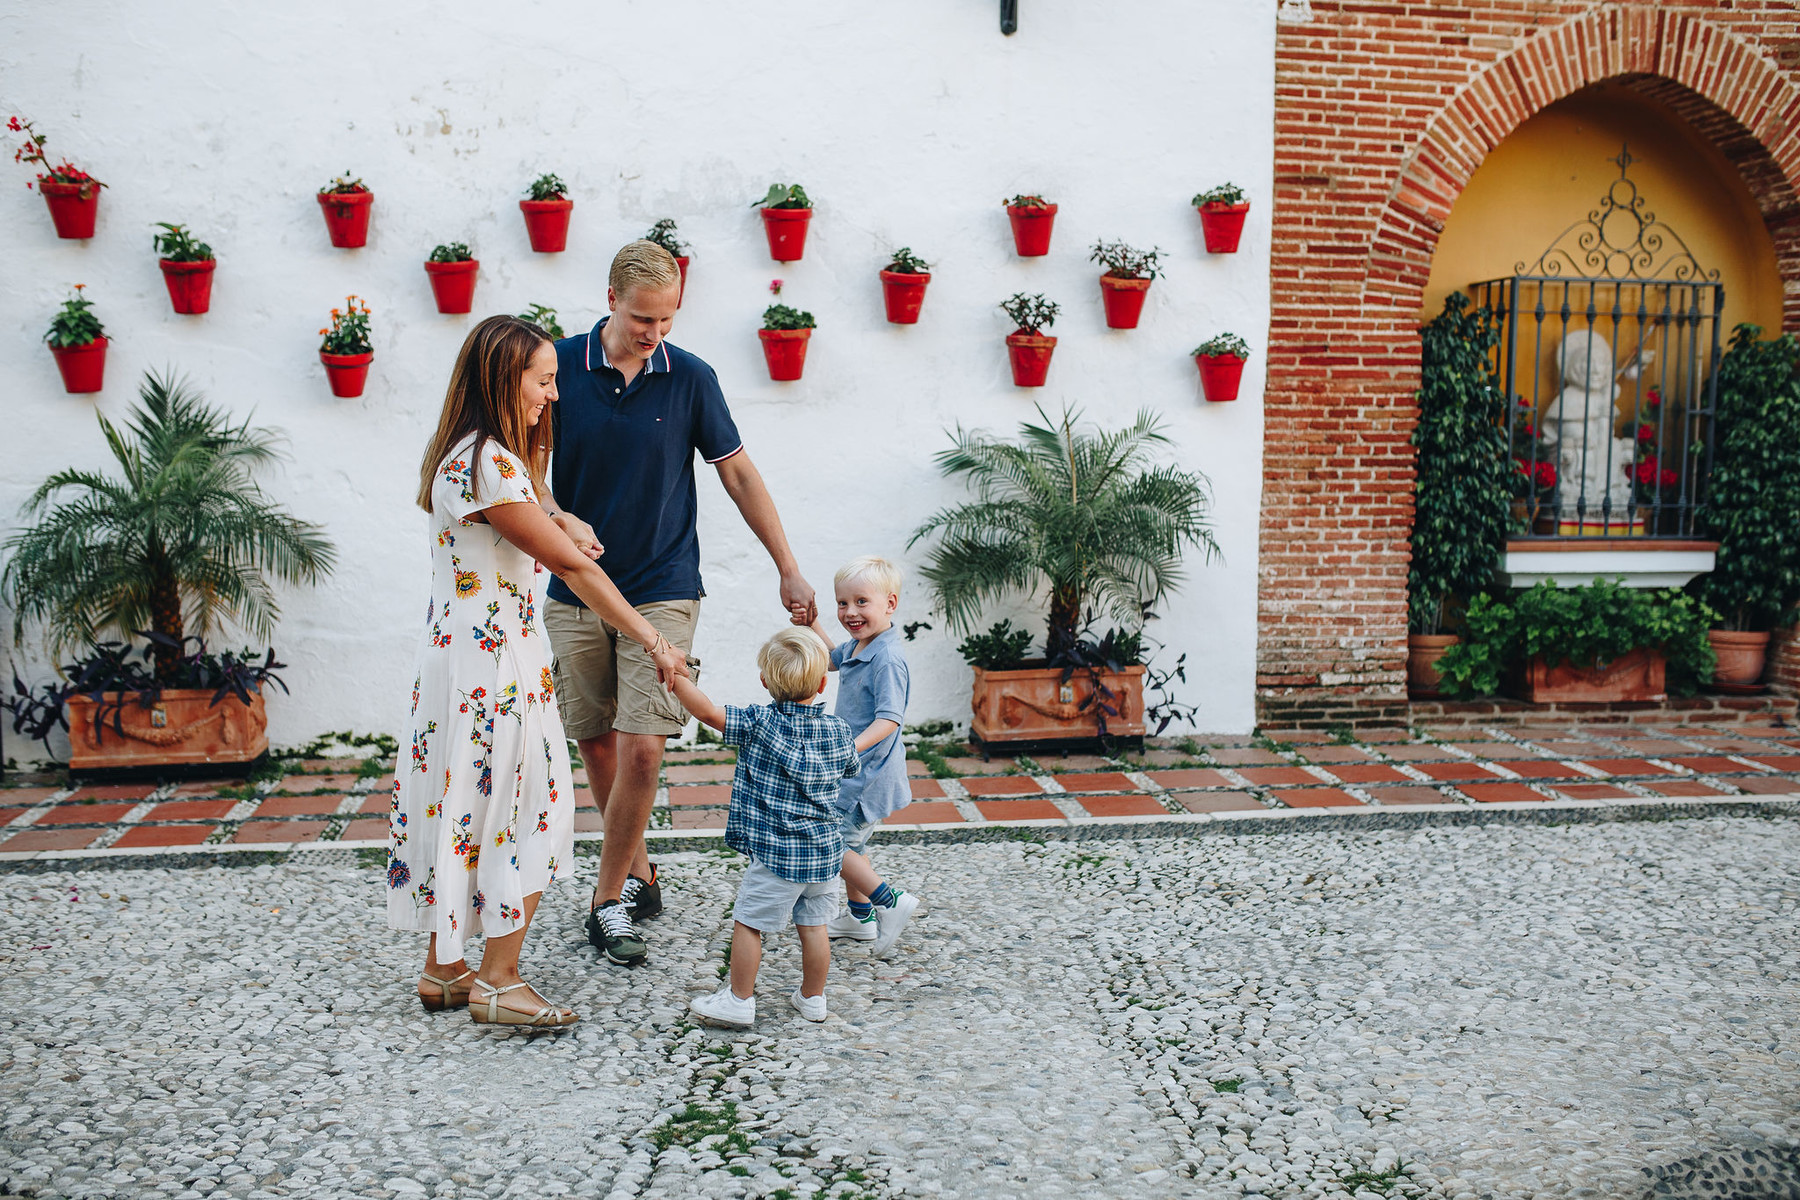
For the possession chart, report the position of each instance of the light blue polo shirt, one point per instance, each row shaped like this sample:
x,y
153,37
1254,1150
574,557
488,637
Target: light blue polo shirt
x,y
873,686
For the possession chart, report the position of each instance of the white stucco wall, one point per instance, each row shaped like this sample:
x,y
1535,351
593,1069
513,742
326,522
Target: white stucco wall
x,y
907,124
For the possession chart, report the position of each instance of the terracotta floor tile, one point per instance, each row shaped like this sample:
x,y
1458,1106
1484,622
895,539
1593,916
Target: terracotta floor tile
x,y
1019,810
151,836
26,797
279,831
1781,762
1592,791
1497,751
578,777
298,806
1409,795
206,787
1318,797
1276,776
376,802
1565,747
1122,806
1416,753
916,769
297,784
925,789
1336,754
1544,768
1217,801
1681,787
1192,777
1382,737
1069,763
191,810
707,751
1245,756
1367,773
940,812
699,818
1709,764
1101,781
1500,793
1767,785
587,819
1733,745
7,815
1454,771
702,773
368,829
51,839
974,766
1298,737
84,814
1628,766
115,791
1004,785
1151,759
1654,747
717,795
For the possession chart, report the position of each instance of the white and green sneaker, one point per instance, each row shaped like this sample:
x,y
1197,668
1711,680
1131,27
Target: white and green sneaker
x,y
848,925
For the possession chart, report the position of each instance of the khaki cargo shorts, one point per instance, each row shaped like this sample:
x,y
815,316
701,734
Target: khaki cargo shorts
x,y
606,681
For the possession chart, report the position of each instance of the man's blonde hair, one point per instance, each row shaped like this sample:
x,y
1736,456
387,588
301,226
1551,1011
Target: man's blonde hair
x,y
642,264
793,664
884,575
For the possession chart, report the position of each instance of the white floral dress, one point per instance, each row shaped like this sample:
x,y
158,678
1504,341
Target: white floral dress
x,y
483,814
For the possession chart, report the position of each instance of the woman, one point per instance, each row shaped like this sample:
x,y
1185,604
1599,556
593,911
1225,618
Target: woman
x,y
483,813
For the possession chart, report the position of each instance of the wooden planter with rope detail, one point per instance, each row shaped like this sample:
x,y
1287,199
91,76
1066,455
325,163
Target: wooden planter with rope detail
x,y
1035,704
183,726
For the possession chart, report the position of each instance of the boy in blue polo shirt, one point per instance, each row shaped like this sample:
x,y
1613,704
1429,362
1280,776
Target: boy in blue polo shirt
x,y
873,687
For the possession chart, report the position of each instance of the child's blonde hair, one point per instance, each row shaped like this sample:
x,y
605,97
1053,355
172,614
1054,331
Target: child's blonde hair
x,y
884,575
793,664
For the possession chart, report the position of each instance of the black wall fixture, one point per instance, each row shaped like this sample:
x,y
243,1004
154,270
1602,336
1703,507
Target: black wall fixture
x,y
1009,17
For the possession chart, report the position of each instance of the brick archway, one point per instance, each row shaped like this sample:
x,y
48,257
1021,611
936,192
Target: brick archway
x,y
1372,149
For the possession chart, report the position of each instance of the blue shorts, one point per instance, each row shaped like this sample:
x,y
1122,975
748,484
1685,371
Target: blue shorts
x,y
857,831
766,901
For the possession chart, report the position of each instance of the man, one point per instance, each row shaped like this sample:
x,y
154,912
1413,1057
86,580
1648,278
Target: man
x,y
634,411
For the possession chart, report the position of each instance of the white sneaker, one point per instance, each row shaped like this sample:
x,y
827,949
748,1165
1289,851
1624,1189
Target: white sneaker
x,y
723,1010
848,925
890,921
811,1007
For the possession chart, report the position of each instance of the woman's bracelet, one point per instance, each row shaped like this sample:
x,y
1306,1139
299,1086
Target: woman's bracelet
x,y
660,643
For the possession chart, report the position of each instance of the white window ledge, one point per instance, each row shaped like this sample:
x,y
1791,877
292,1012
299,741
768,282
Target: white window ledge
x,y
1575,562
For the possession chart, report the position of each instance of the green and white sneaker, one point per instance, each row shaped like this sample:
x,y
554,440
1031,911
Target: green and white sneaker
x,y
610,931
848,925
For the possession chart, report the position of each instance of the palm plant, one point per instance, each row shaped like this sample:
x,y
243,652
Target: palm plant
x,y
184,542
1085,513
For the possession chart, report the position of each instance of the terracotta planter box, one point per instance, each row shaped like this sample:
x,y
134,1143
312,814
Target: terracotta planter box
x,y
347,373
786,230
1741,658
1031,228
1029,354
185,726
1223,226
1638,675
73,207
547,224
347,217
1034,705
453,284
1220,376
189,284
785,352
903,294
83,368
1124,300
681,262
1422,653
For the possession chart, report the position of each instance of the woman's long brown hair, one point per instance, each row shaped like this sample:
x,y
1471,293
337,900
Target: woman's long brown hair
x,y
485,400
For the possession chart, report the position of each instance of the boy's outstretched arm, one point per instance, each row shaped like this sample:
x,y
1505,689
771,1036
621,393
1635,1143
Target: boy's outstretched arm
x,y
698,703
878,729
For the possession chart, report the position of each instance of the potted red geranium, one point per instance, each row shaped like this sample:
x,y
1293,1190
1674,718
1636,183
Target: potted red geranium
x,y
663,234
346,204
786,213
77,342
784,335
346,351
547,214
1032,218
903,286
452,271
1222,212
1028,347
1221,362
1125,282
72,195
187,267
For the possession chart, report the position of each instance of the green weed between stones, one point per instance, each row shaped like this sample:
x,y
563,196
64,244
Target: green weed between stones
x,y
1381,1183
696,1122
1226,1085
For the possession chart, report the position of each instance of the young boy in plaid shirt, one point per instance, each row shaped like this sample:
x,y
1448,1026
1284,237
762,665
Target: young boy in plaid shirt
x,y
783,818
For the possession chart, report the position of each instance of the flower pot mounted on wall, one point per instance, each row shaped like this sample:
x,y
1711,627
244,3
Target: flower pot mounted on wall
x,y
681,263
189,284
453,284
547,224
1223,225
1124,300
73,207
785,352
348,373
1030,356
786,231
347,217
83,367
1031,229
1220,375
903,293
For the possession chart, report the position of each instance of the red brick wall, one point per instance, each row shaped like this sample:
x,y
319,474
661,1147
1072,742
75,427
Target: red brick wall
x,y
1383,111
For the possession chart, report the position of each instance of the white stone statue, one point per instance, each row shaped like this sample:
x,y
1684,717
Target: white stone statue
x,y
1579,423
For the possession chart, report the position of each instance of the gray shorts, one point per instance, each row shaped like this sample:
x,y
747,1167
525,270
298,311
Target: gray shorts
x,y
765,901
857,831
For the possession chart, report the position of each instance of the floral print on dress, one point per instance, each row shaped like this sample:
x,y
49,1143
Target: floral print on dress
x,y
527,601
488,635
421,751
468,583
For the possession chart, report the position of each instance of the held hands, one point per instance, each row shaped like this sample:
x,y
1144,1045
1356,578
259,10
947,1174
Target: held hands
x,y
581,533
797,597
670,662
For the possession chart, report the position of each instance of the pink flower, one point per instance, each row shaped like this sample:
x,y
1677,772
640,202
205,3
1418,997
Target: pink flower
x,y
774,287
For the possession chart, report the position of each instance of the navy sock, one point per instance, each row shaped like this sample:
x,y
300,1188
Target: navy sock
x,y
861,911
885,896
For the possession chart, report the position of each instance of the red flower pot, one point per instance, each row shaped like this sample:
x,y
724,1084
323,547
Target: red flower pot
x,y
1220,375
785,351
1031,229
1124,300
681,262
453,284
189,283
903,294
83,367
1030,354
347,217
1223,225
786,231
547,224
348,373
71,211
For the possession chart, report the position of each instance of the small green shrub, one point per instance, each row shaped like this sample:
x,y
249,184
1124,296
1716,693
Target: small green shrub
x,y
1032,314
1225,193
1225,345
1026,201
907,263
1001,648
784,195
1126,262
548,187
663,234
178,245
74,323
452,252
544,317
780,316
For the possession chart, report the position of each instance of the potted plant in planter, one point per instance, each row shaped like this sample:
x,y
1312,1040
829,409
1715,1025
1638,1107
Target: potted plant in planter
x,y
346,204
1462,495
1032,218
1753,503
1125,282
544,317
346,351
786,214
1088,517
1221,360
1222,212
547,214
182,542
1028,347
784,336
78,343
903,286
663,234
1534,474
187,267
71,194
451,269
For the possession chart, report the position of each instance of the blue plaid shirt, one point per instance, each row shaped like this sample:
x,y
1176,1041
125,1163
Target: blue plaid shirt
x,y
784,793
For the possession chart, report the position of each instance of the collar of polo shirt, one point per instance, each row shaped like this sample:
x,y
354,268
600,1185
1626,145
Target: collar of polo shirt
x,y
596,353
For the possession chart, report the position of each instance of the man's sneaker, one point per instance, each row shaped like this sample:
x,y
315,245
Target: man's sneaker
x,y
848,925
609,929
642,898
890,921
725,1011
811,1007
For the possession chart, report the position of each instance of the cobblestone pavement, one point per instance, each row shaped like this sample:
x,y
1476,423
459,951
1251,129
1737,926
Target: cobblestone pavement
x,y
1506,1010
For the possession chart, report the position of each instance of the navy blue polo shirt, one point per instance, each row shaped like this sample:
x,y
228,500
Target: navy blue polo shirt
x,y
624,462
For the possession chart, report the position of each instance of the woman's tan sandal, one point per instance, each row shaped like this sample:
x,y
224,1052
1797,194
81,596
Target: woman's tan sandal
x,y
487,1010
443,999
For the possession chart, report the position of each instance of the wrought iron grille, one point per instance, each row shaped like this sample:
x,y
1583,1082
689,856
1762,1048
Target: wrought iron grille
x,y
1608,352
